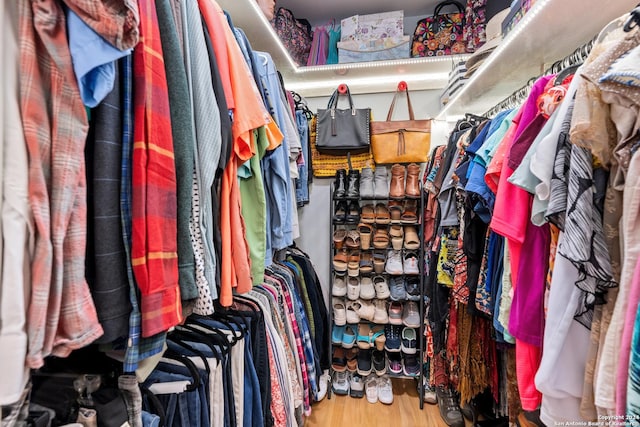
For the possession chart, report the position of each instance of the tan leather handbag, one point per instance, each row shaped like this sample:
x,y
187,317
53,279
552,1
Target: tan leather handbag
x,y
400,141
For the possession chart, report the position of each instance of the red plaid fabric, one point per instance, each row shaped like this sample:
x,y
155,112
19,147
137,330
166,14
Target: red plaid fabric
x,y
154,202
115,20
61,315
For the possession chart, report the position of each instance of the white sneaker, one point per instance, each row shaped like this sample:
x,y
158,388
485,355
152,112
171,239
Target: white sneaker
x,y
323,385
339,311
357,386
365,309
367,291
380,316
352,315
381,287
394,263
339,288
371,388
385,391
411,263
340,384
353,288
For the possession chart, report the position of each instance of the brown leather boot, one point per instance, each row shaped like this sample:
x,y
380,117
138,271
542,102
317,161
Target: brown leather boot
x,y
412,189
396,188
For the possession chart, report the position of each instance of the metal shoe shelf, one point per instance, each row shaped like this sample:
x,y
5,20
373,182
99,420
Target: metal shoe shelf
x,y
419,252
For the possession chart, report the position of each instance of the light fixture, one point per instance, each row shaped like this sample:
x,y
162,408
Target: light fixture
x,y
390,80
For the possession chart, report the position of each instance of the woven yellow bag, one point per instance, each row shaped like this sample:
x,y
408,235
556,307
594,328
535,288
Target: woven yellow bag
x,y
326,165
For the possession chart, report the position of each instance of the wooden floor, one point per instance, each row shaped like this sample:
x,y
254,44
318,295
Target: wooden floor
x,y
405,411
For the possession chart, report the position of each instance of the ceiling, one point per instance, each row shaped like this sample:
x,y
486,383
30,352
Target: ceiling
x,y
318,12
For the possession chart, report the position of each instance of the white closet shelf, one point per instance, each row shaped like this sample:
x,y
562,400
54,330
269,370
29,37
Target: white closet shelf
x,y
362,77
551,30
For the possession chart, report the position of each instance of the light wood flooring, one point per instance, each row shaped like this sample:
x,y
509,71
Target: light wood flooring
x,y
405,410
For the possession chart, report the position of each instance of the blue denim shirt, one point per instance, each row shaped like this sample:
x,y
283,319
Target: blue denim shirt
x,y
93,60
275,165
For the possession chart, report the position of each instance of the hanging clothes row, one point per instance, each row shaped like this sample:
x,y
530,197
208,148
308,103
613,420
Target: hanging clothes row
x,y
155,171
525,218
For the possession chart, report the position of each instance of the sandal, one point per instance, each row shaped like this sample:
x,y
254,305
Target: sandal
x,y
368,215
365,231
366,263
395,210
378,336
340,261
352,359
396,233
338,238
379,260
382,214
340,213
353,265
353,240
380,239
411,239
339,360
353,213
409,216
363,339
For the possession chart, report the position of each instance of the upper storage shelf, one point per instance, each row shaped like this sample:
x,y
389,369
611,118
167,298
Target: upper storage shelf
x,y
551,30
364,77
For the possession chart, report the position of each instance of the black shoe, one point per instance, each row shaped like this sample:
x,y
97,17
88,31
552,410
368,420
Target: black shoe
x,y
353,185
340,186
364,362
379,362
340,213
353,213
449,407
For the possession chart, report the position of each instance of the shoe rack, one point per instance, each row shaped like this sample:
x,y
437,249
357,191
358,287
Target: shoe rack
x,y
377,274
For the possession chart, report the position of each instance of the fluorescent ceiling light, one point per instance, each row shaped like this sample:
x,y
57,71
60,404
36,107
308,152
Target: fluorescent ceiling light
x,y
366,81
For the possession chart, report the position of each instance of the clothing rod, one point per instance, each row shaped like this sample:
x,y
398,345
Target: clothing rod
x,y
577,57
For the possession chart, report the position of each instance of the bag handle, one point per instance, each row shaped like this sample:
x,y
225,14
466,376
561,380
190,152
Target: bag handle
x,y
393,104
440,5
333,101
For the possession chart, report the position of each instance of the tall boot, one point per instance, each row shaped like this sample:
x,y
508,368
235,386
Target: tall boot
x,y
353,185
412,188
340,186
396,190
381,183
366,184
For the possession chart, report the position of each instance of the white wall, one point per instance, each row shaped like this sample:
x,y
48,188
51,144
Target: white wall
x,y
315,224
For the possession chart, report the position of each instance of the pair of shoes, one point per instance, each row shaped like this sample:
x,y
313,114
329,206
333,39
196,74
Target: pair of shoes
x,y
374,185
346,213
403,212
409,342
410,365
323,386
393,343
370,335
407,314
398,264
346,186
356,386
379,389
428,392
340,383
449,407
362,288
343,335
399,188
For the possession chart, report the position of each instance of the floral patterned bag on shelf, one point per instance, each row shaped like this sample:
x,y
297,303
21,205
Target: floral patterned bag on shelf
x,y
295,34
440,34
